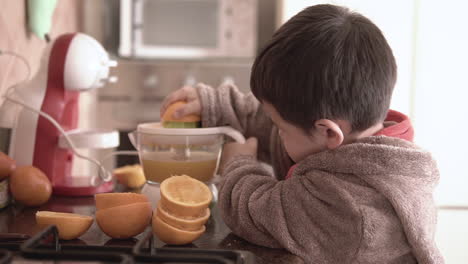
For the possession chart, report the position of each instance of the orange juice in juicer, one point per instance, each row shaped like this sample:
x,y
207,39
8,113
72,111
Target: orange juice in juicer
x,y
164,152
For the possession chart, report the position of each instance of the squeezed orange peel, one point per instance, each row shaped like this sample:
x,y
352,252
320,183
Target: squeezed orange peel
x,y
184,196
172,235
109,200
187,223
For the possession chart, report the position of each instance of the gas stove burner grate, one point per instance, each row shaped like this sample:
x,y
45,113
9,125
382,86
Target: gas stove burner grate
x,y
186,255
5,256
40,247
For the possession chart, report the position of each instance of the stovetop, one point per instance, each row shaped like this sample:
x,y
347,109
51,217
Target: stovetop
x,y
45,247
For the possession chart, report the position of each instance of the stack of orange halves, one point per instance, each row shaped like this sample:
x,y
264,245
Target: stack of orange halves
x,y
182,211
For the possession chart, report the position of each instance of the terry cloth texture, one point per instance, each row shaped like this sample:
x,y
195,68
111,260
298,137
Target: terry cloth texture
x,y
396,125
366,202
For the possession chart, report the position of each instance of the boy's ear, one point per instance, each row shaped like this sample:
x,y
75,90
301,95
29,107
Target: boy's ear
x,y
329,131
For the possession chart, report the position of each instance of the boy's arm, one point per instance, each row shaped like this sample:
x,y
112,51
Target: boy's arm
x,y
226,105
310,217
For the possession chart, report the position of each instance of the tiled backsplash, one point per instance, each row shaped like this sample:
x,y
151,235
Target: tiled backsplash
x,y
15,36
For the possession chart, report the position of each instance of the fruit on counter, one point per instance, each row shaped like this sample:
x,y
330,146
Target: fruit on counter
x,y
184,223
172,235
188,121
30,186
70,226
185,196
131,176
122,215
124,221
109,200
182,211
7,166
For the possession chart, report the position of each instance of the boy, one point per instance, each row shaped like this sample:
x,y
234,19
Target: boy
x,y
359,190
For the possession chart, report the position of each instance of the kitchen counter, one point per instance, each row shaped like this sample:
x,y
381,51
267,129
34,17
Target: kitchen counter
x,y
19,219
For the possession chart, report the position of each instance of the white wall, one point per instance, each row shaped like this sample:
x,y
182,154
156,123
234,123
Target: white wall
x,y
395,18
430,41
441,93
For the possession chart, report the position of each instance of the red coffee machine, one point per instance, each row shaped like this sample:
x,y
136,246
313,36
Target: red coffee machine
x,y
72,64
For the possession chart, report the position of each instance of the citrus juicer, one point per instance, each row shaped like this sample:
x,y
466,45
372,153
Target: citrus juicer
x,y
164,152
44,132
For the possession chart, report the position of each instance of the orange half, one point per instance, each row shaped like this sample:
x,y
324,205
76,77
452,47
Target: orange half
x,y
131,176
172,235
184,196
70,226
168,114
109,200
124,221
187,223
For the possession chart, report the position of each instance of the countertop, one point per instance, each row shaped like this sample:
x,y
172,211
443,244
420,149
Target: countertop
x,y
19,219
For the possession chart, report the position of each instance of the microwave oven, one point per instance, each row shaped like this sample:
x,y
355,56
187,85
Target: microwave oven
x,y
188,29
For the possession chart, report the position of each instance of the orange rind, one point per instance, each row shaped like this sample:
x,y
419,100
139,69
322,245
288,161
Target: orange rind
x,y
172,235
30,186
168,114
184,196
187,223
109,200
131,176
124,221
70,226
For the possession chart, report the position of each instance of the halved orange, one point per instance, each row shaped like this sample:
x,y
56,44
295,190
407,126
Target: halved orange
x,y
168,114
131,176
184,196
109,200
70,226
172,235
124,221
186,223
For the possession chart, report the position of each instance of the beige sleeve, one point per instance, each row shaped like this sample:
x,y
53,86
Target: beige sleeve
x,y
226,105
309,215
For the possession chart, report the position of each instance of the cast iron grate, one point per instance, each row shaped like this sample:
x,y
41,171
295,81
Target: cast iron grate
x,y
45,245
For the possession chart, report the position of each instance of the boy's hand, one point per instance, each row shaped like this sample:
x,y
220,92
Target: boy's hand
x,y
234,149
186,93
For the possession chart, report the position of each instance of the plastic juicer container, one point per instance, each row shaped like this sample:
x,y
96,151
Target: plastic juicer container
x,y
196,152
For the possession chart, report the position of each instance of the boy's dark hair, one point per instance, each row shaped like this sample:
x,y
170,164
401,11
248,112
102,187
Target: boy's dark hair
x,y
326,62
